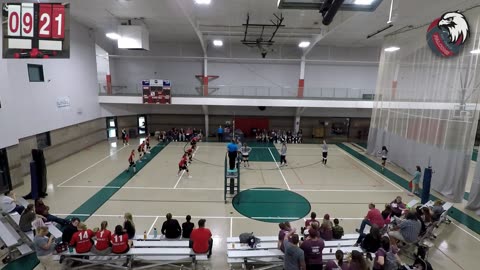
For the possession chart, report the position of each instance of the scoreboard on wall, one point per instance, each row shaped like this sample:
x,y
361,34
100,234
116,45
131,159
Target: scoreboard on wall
x,y
156,91
36,30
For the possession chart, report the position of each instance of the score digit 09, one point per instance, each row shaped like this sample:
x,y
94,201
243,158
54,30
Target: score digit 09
x,y
51,20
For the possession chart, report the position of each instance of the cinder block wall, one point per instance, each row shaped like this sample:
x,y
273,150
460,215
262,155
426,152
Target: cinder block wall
x,y
64,142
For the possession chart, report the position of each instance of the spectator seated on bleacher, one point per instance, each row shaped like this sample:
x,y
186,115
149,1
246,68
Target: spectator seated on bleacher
x,y
313,217
386,256
9,203
408,230
326,228
369,242
44,247
82,239
43,210
119,240
357,261
387,214
437,210
373,217
312,248
339,264
171,228
398,206
284,229
70,230
201,239
187,227
337,229
103,237
27,217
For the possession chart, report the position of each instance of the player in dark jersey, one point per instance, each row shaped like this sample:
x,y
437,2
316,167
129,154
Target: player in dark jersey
x,y
131,162
147,143
124,136
182,165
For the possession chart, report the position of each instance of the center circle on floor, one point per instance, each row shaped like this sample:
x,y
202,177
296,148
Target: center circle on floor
x,y
273,205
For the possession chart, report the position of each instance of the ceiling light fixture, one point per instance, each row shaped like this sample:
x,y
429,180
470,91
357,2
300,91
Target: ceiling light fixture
x,y
363,2
113,35
217,43
304,44
477,51
202,2
392,49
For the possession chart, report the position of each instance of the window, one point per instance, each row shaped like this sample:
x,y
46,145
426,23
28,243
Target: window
x,y
35,73
43,140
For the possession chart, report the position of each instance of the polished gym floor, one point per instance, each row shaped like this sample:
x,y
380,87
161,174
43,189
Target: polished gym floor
x,y
93,185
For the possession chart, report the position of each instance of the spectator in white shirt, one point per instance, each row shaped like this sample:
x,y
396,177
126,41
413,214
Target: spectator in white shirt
x,y
9,205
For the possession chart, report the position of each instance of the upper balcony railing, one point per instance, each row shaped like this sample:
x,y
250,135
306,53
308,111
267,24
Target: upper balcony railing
x,y
251,92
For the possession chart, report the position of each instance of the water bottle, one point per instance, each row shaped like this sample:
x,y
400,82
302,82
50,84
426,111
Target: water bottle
x,y
154,232
145,235
338,246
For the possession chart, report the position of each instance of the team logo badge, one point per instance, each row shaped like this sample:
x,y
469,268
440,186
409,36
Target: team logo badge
x,y
447,35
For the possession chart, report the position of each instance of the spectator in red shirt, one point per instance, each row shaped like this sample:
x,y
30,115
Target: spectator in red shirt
x,y
119,240
313,217
103,236
373,217
82,239
201,239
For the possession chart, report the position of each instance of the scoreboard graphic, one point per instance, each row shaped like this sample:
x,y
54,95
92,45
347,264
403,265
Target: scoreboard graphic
x,y
156,91
36,30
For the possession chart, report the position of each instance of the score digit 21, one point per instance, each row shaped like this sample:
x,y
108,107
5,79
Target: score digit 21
x,y
37,27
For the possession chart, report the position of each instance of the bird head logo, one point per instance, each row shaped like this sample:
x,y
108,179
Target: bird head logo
x,y
457,26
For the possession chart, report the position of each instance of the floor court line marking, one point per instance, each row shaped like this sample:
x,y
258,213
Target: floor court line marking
x,y
278,167
467,232
91,166
181,175
370,169
231,226
153,224
198,217
218,189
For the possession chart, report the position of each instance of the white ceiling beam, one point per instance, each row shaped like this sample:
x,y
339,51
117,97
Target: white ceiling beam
x,y
341,20
194,26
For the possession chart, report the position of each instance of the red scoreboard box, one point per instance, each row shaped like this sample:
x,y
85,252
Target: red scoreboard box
x,y
36,30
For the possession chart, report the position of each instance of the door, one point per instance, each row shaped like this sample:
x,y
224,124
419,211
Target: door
x,y
5,181
142,124
111,127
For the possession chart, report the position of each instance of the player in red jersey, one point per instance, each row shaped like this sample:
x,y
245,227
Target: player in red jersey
x,y
82,239
193,142
119,240
103,236
190,154
147,143
127,138
140,150
131,162
182,165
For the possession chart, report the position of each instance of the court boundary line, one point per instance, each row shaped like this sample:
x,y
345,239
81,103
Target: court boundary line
x,y
153,224
219,189
278,167
91,166
375,172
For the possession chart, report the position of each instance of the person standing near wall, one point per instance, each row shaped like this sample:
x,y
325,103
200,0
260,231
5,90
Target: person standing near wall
x,y
232,150
416,181
324,152
220,133
124,136
384,154
283,154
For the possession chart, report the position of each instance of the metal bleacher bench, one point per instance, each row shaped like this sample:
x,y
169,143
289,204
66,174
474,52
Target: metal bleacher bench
x,y
151,253
268,254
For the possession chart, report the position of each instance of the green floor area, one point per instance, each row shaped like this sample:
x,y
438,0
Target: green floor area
x,y
103,195
91,205
454,213
271,205
263,152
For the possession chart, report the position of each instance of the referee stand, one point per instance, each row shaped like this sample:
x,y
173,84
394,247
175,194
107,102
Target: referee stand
x,y
232,180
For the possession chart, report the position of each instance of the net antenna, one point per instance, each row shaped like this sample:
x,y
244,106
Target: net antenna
x,y
263,40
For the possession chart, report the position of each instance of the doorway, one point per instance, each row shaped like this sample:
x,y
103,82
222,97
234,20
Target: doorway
x,y
5,181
